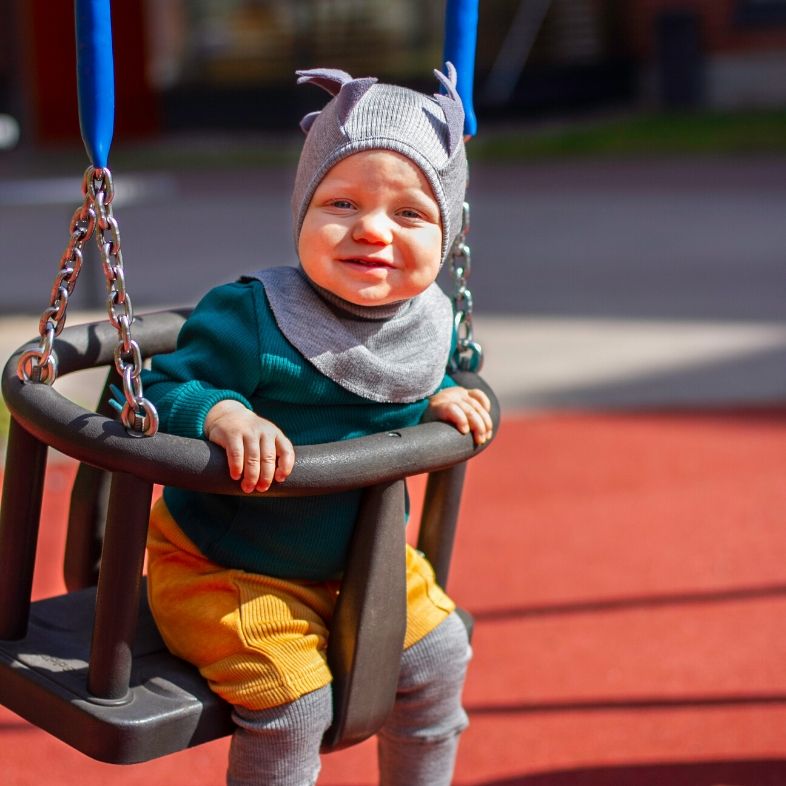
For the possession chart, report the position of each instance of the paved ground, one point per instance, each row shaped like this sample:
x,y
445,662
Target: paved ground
x,y
626,572
616,283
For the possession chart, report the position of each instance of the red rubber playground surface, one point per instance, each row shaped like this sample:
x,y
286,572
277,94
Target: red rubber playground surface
x,y
628,576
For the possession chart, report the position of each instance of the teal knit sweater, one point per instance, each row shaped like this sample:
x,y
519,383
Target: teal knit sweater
x,y
232,348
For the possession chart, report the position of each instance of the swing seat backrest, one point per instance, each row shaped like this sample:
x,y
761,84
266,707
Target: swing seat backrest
x,y
89,666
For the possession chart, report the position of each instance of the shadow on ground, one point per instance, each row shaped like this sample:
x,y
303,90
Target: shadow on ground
x,y
762,772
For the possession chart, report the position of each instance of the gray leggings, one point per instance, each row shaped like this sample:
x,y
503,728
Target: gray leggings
x,y
416,747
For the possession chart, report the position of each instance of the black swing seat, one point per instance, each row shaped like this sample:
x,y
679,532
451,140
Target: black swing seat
x,y
89,666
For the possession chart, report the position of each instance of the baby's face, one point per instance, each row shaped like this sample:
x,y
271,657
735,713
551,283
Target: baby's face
x,y
372,233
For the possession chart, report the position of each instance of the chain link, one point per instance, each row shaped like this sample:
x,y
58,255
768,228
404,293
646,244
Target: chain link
x,y
41,365
469,354
138,415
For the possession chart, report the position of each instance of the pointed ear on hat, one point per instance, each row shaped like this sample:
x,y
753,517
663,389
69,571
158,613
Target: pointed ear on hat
x,y
308,121
450,101
330,79
337,83
350,94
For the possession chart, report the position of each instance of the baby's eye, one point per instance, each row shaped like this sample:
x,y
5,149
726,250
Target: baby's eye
x,y
408,212
341,204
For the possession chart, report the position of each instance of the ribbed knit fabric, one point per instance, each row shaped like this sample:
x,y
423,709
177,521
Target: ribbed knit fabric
x,y
395,353
367,116
280,746
417,746
233,347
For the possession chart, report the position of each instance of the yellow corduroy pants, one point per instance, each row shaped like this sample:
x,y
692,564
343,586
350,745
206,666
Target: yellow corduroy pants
x,y
259,641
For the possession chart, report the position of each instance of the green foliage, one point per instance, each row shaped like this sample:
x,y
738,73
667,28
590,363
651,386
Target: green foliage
x,y
701,133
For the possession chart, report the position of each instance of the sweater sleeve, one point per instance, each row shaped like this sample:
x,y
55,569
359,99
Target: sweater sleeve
x,y
217,358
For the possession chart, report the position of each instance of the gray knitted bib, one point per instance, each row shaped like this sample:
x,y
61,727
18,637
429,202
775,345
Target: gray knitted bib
x,y
392,354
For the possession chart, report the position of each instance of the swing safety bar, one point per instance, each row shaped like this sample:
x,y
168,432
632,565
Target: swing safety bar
x,y
90,666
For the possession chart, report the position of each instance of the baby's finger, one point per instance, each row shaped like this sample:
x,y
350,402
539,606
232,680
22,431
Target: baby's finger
x,y
267,461
286,458
456,415
251,464
477,425
450,411
481,410
476,394
235,456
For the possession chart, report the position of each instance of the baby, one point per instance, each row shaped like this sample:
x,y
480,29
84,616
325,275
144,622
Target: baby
x,y
355,341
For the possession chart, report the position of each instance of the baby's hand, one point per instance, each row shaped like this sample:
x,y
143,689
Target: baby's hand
x,y
467,410
257,450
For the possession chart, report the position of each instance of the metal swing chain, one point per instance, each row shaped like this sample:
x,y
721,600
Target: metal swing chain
x,y
41,365
138,414
469,354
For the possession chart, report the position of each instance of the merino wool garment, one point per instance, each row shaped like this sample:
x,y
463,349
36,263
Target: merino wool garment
x,y
392,354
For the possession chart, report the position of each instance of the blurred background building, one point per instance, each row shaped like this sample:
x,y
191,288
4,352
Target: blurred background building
x,y
228,64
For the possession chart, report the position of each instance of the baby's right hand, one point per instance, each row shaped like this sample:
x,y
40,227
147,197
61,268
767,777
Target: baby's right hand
x,y
257,450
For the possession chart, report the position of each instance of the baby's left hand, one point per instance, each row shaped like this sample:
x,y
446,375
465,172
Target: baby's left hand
x,y
467,410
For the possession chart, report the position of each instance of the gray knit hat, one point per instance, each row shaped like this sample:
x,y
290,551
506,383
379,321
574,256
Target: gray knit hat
x,y
364,115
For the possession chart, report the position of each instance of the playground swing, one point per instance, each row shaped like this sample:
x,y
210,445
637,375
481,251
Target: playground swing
x,y
89,666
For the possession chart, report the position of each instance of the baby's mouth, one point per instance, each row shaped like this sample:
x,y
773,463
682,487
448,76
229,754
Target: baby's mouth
x,y
367,261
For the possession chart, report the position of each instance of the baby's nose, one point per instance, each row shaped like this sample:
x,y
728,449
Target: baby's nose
x,y
373,227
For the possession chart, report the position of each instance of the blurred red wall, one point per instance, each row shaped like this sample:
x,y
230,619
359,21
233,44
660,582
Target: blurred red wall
x,y
47,30
718,23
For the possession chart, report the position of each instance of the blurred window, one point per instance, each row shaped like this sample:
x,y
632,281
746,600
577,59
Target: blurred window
x,y
232,43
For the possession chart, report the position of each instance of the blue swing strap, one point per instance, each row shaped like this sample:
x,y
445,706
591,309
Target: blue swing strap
x,y
461,33
461,30
95,78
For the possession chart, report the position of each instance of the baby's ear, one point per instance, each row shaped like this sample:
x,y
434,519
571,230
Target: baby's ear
x,y
451,106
